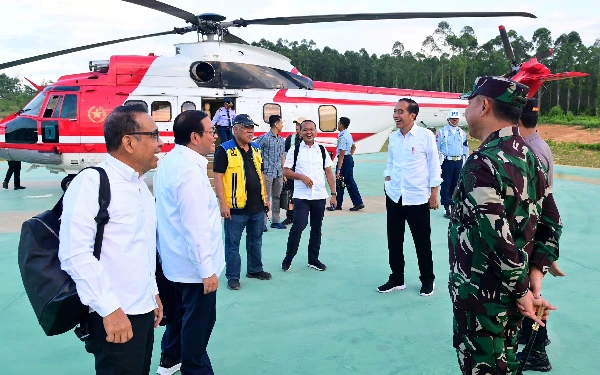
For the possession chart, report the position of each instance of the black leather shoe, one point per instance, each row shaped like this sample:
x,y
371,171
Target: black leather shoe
x,y
359,207
5,185
19,187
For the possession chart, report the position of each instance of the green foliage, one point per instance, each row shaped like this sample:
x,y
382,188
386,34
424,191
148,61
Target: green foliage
x,y
13,94
556,111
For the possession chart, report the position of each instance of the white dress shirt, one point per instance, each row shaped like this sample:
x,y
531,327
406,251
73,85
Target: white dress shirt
x,y
413,166
309,163
125,275
190,240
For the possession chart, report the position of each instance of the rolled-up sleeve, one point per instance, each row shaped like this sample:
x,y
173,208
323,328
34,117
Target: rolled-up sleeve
x,y
192,201
433,161
76,248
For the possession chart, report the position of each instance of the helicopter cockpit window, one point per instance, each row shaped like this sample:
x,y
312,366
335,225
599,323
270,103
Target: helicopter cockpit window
x,y
161,111
270,109
53,104
247,76
137,102
35,105
188,106
69,108
327,118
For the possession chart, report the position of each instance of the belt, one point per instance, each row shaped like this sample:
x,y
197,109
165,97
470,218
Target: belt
x,y
453,158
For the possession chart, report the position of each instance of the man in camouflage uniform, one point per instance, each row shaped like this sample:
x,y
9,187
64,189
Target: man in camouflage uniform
x,y
503,234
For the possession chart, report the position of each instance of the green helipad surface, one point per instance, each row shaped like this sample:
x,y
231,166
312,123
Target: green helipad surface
x,y
333,322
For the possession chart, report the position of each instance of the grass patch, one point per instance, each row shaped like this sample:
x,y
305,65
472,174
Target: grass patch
x,y
566,153
587,122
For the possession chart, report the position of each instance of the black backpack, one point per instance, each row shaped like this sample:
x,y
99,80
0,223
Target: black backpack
x,y
51,291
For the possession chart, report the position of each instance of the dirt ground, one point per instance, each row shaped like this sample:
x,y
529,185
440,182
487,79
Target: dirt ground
x,y
564,133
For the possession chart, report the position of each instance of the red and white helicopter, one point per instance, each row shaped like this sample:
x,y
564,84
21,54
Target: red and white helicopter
x,y
61,128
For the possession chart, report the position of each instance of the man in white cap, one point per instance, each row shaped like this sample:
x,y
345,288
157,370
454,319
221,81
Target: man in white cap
x,y
453,148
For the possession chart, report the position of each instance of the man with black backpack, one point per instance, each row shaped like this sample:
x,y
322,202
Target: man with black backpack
x,y
307,164
118,284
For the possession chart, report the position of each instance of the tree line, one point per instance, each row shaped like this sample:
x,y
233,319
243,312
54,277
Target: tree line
x,y
450,61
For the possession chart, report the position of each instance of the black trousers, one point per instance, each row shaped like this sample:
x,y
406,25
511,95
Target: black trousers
x,y
14,167
418,218
304,207
130,358
186,338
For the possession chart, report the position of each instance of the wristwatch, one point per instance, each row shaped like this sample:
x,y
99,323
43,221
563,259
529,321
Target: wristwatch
x,y
333,193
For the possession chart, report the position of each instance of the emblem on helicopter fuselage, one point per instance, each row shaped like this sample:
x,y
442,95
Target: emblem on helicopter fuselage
x,y
96,114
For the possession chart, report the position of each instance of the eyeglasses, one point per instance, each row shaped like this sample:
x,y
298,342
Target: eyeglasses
x,y
212,131
155,134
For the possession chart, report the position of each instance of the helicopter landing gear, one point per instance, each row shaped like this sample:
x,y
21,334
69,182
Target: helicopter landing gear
x,y
64,184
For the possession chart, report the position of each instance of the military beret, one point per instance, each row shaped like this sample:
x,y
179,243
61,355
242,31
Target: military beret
x,y
531,106
501,89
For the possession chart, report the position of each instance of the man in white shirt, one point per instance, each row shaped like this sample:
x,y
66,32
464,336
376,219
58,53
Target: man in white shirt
x,y
308,171
412,180
190,243
120,288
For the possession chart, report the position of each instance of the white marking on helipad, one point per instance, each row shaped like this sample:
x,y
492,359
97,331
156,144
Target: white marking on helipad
x,y
39,196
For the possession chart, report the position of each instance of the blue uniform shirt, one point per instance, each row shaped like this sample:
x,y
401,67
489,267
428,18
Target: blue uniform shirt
x,y
224,117
452,141
345,141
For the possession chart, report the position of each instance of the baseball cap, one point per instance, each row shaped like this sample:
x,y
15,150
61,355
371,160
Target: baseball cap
x,y
245,120
531,106
501,89
300,120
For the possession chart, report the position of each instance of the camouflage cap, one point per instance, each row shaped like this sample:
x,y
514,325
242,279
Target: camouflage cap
x,y
531,106
499,88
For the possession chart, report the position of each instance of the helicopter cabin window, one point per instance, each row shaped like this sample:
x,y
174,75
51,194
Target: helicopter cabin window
x,y
327,118
137,102
270,109
161,111
188,106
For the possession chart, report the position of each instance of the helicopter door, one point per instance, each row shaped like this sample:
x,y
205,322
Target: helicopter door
x,y
59,119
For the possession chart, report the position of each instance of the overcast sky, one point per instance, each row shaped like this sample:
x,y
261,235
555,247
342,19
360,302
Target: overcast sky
x,y
34,27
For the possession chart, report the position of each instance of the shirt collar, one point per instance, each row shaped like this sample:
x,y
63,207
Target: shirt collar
x,y
412,131
123,169
192,155
532,136
305,145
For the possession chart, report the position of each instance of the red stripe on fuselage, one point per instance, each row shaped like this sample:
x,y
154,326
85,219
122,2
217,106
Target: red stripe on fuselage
x,y
280,97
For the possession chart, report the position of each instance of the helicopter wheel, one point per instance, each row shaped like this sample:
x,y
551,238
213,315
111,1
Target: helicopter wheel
x,y
64,184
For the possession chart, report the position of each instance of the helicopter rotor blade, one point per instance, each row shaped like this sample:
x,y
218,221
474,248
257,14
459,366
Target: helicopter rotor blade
x,y
544,54
89,46
168,9
507,47
368,17
230,38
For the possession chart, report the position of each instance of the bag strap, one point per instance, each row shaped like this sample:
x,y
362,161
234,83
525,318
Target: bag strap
x,y
296,151
323,154
102,217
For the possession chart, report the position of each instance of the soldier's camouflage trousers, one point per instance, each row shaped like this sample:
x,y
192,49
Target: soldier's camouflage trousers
x,y
486,344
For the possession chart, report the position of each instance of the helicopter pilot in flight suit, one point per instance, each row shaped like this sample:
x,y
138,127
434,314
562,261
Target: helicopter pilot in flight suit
x,y
223,120
453,148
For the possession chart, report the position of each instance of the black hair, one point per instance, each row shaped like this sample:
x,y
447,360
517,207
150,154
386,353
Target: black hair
x,y
529,119
119,123
345,121
274,119
505,112
186,123
413,107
